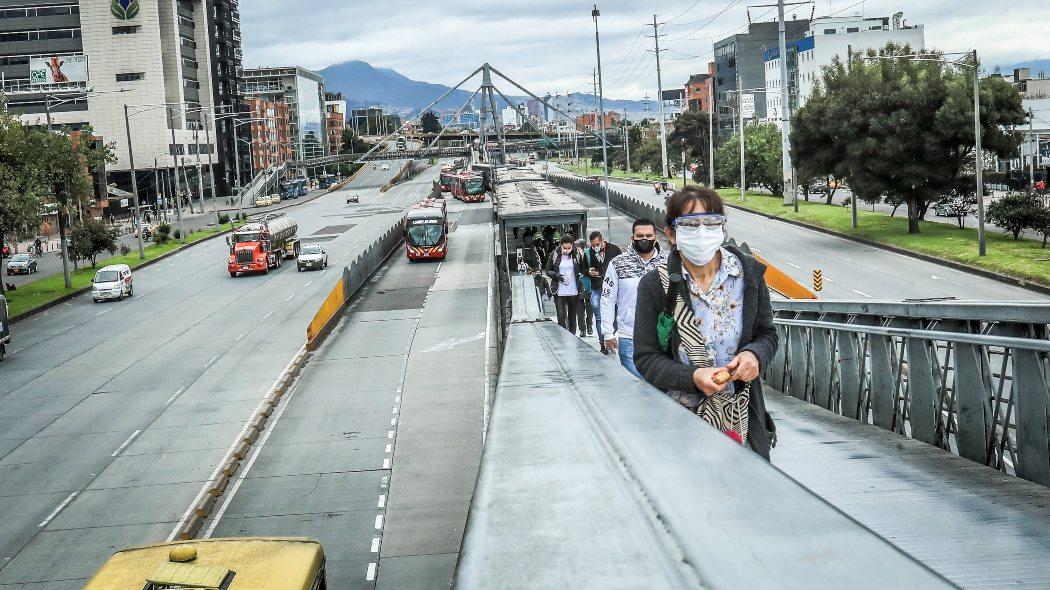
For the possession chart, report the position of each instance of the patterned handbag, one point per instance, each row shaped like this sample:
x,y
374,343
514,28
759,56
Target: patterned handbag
x,y
725,411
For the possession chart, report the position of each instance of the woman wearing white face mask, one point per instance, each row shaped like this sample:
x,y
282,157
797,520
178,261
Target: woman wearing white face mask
x,y
704,326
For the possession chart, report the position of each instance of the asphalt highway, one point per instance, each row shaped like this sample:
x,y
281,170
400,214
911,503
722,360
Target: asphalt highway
x,y
113,415
852,271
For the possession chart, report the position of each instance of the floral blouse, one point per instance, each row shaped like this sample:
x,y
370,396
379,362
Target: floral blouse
x,y
720,310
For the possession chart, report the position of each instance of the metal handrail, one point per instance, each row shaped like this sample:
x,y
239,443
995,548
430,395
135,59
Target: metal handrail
x,y
956,337
963,376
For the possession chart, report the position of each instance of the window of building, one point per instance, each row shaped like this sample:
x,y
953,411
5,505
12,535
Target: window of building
x,y
176,149
127,30
829,31
131,77
852,29
41,11
40,35
876,28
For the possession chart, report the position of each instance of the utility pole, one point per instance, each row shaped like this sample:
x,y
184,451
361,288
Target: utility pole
x,y
627,140
978,154
175,169
134,184
211,169
711,133
853,198
785,111
601,108
1035,150
743,167
660,97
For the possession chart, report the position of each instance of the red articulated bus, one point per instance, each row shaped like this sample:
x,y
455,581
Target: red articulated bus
x,y
446,180
426,231
468,187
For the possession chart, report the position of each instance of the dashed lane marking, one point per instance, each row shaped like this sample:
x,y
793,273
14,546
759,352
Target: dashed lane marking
x,y
861,293
61,506
382,500
375,544
174,396
126,443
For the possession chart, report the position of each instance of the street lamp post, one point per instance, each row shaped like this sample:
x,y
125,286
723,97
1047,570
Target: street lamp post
x,y
601,107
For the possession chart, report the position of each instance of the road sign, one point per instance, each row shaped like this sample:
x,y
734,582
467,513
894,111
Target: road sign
x,y
62,69
818,280
747,104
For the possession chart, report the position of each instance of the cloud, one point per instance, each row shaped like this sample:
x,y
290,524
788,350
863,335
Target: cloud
x,y
548,45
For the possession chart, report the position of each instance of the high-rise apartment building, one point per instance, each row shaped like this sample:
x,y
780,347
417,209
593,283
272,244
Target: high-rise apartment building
x,y
303,92
827,39
271,134
84,61
742,57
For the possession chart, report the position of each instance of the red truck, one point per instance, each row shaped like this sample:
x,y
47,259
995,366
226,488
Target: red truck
x,y
260,246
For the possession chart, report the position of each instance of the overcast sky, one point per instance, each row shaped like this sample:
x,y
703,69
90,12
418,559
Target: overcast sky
x,y
548,45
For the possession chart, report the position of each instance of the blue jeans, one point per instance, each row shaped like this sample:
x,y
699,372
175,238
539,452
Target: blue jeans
x,y
596,306
626,348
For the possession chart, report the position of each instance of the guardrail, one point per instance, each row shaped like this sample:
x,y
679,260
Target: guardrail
x,y
591,478
354,276
966,377
635,207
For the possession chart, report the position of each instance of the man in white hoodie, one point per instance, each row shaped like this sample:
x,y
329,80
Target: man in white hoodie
x,y
620,290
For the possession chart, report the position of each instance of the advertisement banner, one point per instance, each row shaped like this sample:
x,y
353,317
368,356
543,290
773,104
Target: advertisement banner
x,y
64,69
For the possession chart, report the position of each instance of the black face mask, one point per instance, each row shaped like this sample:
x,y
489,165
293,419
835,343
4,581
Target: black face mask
x,y
644,246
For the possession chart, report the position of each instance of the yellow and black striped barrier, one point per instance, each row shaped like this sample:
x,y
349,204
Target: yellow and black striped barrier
x,y
818,280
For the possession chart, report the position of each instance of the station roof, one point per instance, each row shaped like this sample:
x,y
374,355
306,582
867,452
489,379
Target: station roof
x,y
525,198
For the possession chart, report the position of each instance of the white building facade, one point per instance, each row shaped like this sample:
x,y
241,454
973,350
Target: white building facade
x,y
828,38
146,58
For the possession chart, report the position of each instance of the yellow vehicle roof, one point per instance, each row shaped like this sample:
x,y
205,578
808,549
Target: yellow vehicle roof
x,y
259,563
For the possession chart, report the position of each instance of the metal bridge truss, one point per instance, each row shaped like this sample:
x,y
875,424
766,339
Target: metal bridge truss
x,y
490,124
970,378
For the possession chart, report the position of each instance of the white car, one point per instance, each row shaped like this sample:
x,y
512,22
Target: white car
x,y
312,256
112,282
386,167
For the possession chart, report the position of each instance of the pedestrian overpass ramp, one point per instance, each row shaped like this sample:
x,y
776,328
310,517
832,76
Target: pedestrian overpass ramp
x,y
593,479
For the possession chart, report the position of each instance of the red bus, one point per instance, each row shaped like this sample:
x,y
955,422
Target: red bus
x,y
446,180
468,187
426,231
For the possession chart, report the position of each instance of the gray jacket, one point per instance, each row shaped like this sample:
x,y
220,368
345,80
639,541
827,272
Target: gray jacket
x,y
757,335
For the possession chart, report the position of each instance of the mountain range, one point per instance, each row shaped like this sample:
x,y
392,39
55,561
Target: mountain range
x,y
365,85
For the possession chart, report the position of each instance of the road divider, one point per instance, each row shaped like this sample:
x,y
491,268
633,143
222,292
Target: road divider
x,y
355,274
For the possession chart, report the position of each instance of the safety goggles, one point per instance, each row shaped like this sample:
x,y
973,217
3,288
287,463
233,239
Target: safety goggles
x,y
705,220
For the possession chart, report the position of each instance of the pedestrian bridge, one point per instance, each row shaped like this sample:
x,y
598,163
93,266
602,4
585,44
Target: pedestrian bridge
x,y
908,454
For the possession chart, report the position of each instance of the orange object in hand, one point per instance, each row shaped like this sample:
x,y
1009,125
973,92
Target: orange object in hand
x,y
721,377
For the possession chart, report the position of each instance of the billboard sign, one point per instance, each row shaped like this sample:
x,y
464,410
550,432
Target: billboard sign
x,y
63,69
747,105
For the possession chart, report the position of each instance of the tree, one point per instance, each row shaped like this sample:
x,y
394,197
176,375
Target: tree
x,y
89,238
900,127
690,136
1042,223
353,144
762,158
430,123
21,199
1017,212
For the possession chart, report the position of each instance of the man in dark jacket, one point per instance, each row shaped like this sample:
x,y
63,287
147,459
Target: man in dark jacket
x,y
758,336
597,261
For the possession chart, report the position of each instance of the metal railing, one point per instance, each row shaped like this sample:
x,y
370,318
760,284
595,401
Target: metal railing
x,y
970,378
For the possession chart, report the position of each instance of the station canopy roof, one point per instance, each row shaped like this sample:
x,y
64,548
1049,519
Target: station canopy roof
x,y
525,198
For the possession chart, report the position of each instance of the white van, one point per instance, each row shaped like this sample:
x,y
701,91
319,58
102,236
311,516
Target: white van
x,y
112,282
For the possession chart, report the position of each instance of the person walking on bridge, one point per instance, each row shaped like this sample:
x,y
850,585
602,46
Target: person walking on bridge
x,y
703,328
597,261
563,268
620,290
